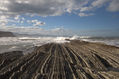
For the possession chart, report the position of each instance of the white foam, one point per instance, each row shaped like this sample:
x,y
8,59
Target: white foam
x,y
85,37
60,39
74,37
27,42
108,42
13,47
31,40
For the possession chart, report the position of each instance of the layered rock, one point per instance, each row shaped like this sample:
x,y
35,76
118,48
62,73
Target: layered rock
x,y
74,60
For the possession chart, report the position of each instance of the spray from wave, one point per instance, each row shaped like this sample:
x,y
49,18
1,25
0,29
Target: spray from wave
x,y
114,41
26,43
37,41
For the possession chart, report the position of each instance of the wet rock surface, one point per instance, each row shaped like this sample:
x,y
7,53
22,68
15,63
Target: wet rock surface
x,y
74,60
9,57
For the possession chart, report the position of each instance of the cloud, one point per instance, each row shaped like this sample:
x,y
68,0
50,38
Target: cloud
x,y
95,4
4,20
15,8
83,9
19,20
114,6
53,7
41,7
36,22
84,14
99,3
111,5
17,17
37,30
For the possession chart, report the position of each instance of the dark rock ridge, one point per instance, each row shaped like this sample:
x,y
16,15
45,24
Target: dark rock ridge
x,y
6,34
74,60
9,57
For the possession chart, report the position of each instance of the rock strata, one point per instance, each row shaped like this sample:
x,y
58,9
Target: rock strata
x,y
74,60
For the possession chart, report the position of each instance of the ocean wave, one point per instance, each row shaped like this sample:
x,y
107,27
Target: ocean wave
x,y
31,40
38,41
27,43
113,42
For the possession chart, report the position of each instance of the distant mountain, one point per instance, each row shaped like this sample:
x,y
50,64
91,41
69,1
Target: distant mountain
x,y
6,34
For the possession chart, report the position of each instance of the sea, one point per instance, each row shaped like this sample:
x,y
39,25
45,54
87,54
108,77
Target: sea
x,y
28,43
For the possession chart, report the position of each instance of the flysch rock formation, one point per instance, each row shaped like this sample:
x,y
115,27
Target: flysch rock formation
x,y
74,60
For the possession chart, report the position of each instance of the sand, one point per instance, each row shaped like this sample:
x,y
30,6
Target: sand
x,y
74,60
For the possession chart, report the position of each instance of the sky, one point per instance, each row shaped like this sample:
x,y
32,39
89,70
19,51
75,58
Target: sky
x,y
60,17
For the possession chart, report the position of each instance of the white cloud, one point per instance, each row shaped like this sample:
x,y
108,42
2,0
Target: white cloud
x,y
20,19
4,20
22,22
36,22
36,30
41,7
23,18
83,9
114,6
57,29
84,14
95,4
15,8
3,8
17,17
99,3
111,5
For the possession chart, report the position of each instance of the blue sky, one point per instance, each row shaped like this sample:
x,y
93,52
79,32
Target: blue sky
x,y
79,17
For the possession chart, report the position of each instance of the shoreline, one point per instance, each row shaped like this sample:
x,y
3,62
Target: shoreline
x,y
20,48
77,59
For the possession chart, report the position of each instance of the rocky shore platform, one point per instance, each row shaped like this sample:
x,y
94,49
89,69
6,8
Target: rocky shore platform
x,y
74,60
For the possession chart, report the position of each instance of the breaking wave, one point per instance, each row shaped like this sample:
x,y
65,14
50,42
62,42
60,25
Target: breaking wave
x,y
24,43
